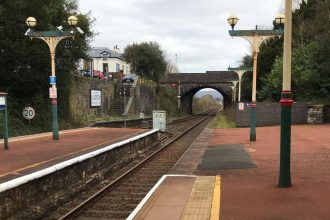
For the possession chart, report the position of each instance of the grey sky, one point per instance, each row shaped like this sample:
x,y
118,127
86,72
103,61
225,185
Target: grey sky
x,y
195,30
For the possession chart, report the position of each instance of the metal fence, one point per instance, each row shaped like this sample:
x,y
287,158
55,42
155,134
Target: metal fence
x,y
267,114
326,114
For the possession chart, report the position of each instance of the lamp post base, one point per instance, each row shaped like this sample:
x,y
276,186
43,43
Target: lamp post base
x,y
54,120
285,148
253,122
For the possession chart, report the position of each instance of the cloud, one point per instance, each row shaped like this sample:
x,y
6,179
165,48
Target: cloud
x,y
195,30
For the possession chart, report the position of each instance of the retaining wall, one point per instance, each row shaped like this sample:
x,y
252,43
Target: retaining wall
x,y
29,197
80,99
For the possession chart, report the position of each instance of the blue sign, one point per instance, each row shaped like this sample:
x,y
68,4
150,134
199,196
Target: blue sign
x,y
52,80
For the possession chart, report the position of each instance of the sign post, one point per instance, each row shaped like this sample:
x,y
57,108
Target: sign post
x,y
3,106
28,113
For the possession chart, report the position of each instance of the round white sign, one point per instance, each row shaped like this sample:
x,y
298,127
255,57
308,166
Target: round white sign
x,y
28,113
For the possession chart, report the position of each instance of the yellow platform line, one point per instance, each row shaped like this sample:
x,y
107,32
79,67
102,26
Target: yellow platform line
x,y
215,211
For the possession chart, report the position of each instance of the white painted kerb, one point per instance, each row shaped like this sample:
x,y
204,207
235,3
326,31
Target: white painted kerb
x,y
147,197
27,178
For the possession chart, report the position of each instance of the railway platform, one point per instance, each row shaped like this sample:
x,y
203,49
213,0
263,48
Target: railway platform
x,y
196,197
222,173
28,154
248,175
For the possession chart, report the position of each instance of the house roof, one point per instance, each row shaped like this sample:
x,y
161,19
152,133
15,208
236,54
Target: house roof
x,y
97,52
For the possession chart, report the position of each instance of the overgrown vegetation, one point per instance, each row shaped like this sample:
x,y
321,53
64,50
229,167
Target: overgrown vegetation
x,y
204,103
167,100
223,121
310,58
147,60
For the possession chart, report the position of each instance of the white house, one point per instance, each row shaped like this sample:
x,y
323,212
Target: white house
x,y
107,61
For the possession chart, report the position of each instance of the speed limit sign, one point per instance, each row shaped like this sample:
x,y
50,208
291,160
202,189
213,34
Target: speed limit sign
x,y
28,113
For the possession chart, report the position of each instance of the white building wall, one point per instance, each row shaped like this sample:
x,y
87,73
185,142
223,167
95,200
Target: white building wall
x,y
112,65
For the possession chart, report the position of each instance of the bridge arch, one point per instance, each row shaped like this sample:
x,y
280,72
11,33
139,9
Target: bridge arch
x,y
187,96
190,83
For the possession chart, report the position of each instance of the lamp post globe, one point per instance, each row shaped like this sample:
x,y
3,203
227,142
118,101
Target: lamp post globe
x,y
280,19
31,22
72,20
232,21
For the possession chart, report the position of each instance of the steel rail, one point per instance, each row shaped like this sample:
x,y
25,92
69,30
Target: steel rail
x,y
78,209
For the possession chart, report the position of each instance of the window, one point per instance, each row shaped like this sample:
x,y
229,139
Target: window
x,y
117,67
105,57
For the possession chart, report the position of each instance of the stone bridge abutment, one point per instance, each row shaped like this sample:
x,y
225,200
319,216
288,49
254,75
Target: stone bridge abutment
x,y
190,83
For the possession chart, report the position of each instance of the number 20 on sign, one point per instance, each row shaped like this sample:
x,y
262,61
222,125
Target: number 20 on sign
x,y
28,113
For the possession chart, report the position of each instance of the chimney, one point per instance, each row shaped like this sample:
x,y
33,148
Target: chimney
x,y
116,49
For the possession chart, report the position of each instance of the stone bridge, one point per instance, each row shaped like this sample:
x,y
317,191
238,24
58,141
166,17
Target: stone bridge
x,y
190,83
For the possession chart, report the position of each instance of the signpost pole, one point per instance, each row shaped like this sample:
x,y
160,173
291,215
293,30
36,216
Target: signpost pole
x,y
125,109
5,126
3,107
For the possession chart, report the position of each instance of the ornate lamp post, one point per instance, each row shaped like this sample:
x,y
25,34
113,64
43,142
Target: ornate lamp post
x,y
52,38
286,101
240,72
234,90
255,38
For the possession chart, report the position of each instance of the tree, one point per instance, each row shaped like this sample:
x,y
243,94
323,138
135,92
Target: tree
x,y
25,64
147,60
204,103
305,76
310,58
269,51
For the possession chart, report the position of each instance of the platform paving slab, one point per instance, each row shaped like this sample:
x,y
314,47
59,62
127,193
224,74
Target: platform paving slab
x,y
31,153
180,198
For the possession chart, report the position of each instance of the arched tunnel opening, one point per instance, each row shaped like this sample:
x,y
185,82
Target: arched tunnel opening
x,y
203,97
206,99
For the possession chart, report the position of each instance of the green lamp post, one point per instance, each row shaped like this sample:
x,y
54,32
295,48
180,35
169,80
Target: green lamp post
x,y
255,38
52,38
286,100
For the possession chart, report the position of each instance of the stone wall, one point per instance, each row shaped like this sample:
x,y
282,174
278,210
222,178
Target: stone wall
x,y
145,100
79,99
318,114
35,198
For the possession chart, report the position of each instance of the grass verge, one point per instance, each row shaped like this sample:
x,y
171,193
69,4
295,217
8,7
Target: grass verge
x,y
223,121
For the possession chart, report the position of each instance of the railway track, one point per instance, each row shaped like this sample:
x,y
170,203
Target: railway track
x,y
118,198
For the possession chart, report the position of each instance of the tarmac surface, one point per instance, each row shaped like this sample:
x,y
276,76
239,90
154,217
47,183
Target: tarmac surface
x,y
31,153
250,170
